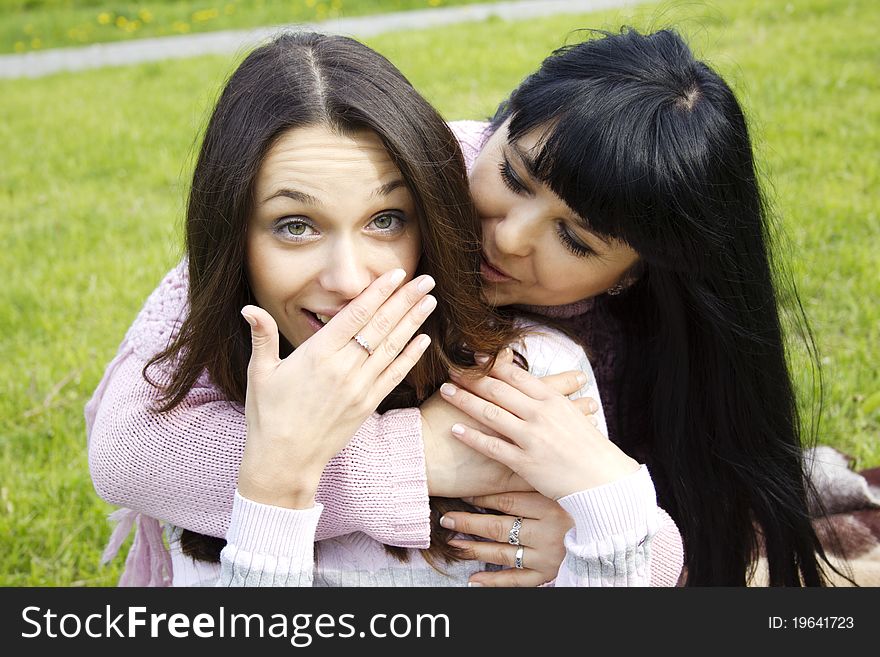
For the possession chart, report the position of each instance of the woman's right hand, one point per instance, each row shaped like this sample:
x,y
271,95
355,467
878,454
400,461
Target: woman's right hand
x,y
455,469
301,411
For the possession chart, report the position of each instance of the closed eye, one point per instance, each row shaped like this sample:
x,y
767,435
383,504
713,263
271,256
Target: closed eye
x,y
511,180
571,243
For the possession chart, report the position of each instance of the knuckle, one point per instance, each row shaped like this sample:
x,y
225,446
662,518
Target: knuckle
x,y
386,288
494,450
396,372
412,296
500,555
505,502
462,524
381,323
391,346
359,314
415,320
363,404
491,412
519,375
494,389
496,529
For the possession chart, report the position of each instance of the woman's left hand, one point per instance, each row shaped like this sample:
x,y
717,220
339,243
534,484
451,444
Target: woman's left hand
x,y
551,444
543,524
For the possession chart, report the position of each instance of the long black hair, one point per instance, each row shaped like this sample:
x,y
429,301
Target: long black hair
x,y
650,147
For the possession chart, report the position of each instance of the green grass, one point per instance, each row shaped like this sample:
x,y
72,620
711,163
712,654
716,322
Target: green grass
x,y
94,171
33,25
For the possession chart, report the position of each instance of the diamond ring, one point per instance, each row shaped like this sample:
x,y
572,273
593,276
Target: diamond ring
x,y
363,343
518,558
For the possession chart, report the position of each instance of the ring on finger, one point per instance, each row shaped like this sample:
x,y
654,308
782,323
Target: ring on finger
x,y
513,534
518,557
363,343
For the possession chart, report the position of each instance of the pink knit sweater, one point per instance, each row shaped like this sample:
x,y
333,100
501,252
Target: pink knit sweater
x,y
181,466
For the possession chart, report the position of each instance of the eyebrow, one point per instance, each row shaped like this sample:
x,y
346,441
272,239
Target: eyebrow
x,y
388,187
292,194
527,160
308,199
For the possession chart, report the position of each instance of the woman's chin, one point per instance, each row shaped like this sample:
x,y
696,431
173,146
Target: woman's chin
x,y
496,296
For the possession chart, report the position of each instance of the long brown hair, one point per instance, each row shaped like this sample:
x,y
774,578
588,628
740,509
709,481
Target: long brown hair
x,y
302,79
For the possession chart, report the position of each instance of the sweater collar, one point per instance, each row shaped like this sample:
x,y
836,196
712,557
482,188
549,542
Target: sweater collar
x,y
562,312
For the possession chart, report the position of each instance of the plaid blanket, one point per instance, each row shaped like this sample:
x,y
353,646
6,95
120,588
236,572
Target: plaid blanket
x,y
851,532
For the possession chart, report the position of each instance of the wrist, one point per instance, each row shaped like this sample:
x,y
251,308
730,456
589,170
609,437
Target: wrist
x,y
299,494
432,476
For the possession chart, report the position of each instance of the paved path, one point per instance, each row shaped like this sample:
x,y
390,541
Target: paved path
x,y
37,64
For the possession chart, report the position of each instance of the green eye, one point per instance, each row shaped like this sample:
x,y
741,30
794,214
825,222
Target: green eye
x,y
384,222
296,228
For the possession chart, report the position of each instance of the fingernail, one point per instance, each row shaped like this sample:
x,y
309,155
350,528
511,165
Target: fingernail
x,y
448,389
469,500
447,523
428,304
581,378
593,406
423,341
249,318
426,284
397,275
481,358
472,584
457,429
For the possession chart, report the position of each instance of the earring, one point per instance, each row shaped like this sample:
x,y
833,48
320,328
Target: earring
x,y
615,289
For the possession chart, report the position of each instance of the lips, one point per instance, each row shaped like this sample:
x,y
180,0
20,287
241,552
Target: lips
x,y
317,320
492,273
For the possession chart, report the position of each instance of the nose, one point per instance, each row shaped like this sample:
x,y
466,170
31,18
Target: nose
x,y
515,231
346,272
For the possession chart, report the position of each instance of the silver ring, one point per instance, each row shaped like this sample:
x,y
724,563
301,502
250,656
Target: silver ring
x,y
513,534
363,343
518,558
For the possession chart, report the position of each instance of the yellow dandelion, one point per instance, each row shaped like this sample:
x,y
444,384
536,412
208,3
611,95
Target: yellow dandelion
x,y
133,26
20,47
204,15
336,5
310,3
145,15
28,29
435,3
179,26
104,18
229,10
121,22
36,43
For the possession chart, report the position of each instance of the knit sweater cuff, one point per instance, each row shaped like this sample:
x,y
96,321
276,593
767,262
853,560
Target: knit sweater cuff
x,y
265,529
406,456
622,508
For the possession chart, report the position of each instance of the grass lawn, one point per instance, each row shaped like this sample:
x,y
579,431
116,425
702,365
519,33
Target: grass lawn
x,y
92,185
33,25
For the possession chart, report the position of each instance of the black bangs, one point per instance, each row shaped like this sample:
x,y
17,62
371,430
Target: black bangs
x,y
596,154
627,140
